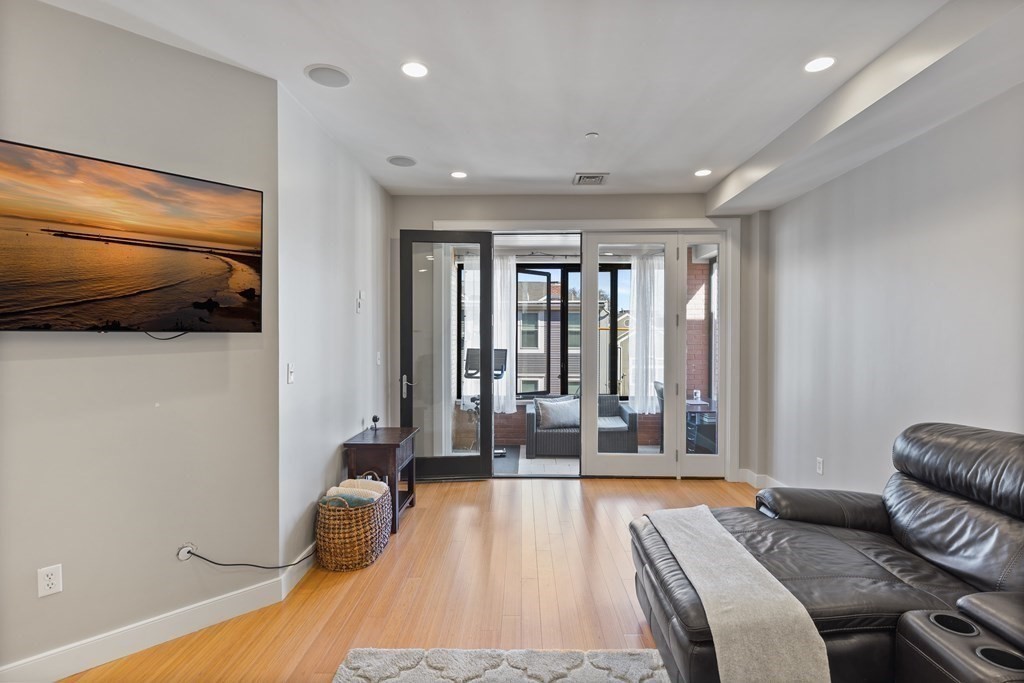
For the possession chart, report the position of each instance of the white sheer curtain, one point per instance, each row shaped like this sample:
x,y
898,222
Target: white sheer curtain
x,y
471,294
646,331
505,295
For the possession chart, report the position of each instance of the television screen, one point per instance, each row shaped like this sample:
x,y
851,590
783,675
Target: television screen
x,y
87,244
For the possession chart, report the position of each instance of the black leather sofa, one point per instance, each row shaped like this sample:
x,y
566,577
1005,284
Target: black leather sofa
x,y
874,571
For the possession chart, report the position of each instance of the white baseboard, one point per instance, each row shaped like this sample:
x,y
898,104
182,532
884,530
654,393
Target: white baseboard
x,y
290,577
105,647
759,481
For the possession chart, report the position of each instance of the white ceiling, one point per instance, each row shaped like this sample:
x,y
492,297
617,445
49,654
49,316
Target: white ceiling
x,y
670,85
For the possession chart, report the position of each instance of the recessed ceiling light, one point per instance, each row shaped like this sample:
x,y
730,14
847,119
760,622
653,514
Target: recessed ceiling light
x,y
592,136
414,69
327,75
702,172
819,64
404,162
458,174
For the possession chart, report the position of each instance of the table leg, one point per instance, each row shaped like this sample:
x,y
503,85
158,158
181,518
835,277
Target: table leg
x,y
393,483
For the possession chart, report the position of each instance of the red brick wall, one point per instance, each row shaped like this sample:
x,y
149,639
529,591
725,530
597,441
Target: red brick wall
x,y
650,430
510,428
698,321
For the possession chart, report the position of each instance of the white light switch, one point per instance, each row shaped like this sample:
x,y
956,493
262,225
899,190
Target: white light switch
x,y
380,360
290,374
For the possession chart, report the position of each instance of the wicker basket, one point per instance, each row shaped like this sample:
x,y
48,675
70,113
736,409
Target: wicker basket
x,y
352,538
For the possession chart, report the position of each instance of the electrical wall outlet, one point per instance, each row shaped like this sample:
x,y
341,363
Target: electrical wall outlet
x,y
50,580
819,466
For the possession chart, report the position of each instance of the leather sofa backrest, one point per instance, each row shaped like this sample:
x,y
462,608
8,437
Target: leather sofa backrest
x,y
983,465
958,501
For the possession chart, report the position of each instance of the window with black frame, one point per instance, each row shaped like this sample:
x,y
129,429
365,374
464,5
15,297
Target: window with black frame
x,y
534,306
548,352
548,356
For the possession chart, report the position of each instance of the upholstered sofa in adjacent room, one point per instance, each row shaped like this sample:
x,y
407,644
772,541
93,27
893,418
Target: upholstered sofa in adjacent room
x,y
949,524
617,426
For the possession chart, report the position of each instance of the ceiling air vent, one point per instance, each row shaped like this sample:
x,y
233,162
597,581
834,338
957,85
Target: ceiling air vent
x,y
589,178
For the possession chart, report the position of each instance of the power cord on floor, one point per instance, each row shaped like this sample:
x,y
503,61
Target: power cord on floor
x,y
193,553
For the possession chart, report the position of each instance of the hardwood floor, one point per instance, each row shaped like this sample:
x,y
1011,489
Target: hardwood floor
x,y
506,563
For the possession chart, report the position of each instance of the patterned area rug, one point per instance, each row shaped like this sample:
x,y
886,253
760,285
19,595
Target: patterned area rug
x,y
501,666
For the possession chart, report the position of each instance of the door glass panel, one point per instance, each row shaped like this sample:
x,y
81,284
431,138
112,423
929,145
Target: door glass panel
x,y
703,356
605,323
533,314
446,348
631,351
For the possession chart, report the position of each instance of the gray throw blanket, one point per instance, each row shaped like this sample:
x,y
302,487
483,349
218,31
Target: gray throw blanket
x,y
761,632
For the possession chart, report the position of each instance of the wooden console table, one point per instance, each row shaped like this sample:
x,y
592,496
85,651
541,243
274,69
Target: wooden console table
x,y
387,452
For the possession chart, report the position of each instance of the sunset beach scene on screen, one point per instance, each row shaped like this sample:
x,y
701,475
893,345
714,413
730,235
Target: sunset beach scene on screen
x,y
87,244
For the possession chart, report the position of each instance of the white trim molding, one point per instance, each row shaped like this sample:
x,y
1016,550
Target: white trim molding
x,y
85,654
759,481
590,225
291,576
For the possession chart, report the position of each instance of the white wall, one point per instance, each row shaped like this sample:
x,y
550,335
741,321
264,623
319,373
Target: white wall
x,y
898,297
93,475
755,338
334,224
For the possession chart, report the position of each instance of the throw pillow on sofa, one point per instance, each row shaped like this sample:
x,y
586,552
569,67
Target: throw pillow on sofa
x,y
558,413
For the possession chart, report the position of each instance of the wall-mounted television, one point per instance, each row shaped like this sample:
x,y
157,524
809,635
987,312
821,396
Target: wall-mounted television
x,y
87,244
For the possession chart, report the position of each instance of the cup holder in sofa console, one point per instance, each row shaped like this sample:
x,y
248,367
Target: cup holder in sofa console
x,y
1002,658
953,624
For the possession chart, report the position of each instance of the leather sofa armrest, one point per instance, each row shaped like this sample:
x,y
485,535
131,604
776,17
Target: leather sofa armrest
x,y
629,416
1002,612
850,509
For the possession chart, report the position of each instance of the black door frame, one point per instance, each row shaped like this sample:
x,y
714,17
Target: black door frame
x,y
547,336
451,467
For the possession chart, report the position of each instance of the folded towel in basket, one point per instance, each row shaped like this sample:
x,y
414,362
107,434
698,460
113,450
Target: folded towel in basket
x,y
376,487
341,496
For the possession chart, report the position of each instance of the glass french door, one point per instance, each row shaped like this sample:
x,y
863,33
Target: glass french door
x,y
651,342
446,355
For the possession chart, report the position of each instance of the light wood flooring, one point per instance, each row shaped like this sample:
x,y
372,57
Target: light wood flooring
x,y
505,563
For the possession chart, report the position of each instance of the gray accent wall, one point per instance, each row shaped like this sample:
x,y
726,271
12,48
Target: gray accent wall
x,y
115,448
897,296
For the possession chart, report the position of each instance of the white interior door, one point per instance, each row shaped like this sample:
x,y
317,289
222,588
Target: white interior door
x,y
629,333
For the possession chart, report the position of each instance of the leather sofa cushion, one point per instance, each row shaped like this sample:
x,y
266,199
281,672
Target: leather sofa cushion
x,y
978,544
849,580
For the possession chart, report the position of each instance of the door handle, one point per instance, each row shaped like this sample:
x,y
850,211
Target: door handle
x,y
406,383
